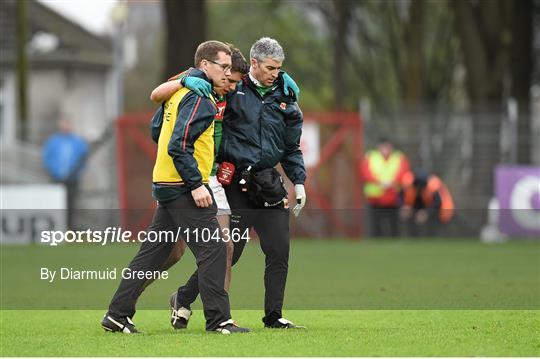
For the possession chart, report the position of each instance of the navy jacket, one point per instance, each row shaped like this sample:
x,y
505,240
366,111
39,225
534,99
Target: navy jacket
x,y
262,132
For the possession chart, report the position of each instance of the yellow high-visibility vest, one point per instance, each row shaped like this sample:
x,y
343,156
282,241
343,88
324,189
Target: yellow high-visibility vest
x,y
383,170
164,169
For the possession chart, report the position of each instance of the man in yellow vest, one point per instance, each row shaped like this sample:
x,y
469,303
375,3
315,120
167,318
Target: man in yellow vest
x,y
382,170
180,184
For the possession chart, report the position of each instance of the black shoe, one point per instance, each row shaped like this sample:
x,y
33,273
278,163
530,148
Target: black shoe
x,y
283,323
179,315
230,327
123,325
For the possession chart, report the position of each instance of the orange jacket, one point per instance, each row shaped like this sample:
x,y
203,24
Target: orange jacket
x,y
376,171
434,186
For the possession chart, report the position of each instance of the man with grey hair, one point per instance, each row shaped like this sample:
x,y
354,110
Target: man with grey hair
x,y
265,48
262,126
266,58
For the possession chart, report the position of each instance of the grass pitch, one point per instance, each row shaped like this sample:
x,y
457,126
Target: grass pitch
x,y
329,333
442,297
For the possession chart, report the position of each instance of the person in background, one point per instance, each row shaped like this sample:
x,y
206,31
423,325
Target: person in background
x,y
64,158
382,170
426,203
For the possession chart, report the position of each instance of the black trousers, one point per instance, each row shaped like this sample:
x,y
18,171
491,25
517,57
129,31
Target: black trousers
x,y
210,258
384,221
272,226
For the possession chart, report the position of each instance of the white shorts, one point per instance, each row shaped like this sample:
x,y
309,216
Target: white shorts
x,y
219,196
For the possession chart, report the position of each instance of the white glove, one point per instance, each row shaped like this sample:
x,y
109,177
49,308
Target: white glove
x,y
300,199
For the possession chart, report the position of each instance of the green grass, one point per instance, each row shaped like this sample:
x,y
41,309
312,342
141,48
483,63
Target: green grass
x,y
436,274
329,333
440,297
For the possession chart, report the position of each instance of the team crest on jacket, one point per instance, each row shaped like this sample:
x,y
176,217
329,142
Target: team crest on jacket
x,y
283,106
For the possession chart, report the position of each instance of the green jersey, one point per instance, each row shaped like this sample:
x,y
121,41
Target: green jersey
x,y
218,130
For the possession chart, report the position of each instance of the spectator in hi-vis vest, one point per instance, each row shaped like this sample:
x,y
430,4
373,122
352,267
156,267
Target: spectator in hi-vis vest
x,y
426,203
382,170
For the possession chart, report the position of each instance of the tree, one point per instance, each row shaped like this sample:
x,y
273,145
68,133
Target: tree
x,y
496,42
308,57
413,84
185,29
521,61
340,21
